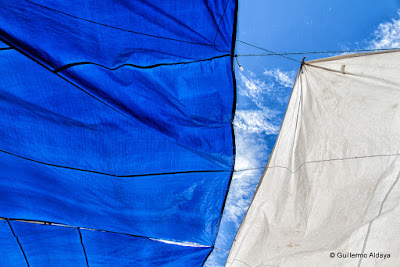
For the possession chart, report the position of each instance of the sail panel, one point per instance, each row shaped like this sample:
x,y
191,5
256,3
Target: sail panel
x,y
110,249
10,252
142,120
331,184
112,33
181,207
56,245
68,158
117,117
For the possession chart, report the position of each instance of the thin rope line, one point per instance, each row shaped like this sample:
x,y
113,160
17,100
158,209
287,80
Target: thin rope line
x,y
6,48
272,52
117,28
250,169
318,52
20,246
222,249
83,247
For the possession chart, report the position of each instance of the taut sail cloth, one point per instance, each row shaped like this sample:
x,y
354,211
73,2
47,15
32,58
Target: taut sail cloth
x,y
330,195
116,138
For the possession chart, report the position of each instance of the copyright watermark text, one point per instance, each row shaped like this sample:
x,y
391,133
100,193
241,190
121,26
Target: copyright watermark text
x,y
350,255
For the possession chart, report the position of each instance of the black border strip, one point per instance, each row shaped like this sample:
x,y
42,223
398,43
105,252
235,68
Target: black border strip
x,y
232,123
20,246
109,174
137,66
83,247
117,28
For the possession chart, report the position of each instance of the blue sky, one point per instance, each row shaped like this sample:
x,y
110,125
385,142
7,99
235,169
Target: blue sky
x,y
265,84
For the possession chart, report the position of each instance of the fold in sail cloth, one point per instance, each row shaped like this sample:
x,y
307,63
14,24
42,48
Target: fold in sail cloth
x,y
330,194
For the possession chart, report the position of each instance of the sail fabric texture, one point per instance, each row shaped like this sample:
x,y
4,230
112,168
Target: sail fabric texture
x,y
116,130
331,186
48,245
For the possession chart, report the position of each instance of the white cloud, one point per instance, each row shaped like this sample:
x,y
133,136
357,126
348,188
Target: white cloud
x,y
253,124
283,78
256,121
241,191
387,35
251,150
251,127
275,84
217,258
254,88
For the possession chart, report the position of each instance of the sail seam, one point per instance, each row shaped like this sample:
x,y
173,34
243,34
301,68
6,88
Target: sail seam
x,y
379,214
105,231
328,160
220,21
110,174
19,243
117,28
136,66
83,247
241,262
65,79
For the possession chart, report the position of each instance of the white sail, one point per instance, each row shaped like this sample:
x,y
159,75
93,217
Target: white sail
x,y
330,194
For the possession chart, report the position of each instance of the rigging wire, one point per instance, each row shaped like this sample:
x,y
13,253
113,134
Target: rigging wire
x,y
249,169
222,249
272,53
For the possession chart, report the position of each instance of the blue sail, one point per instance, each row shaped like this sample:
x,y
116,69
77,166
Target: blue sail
x,y
116,138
